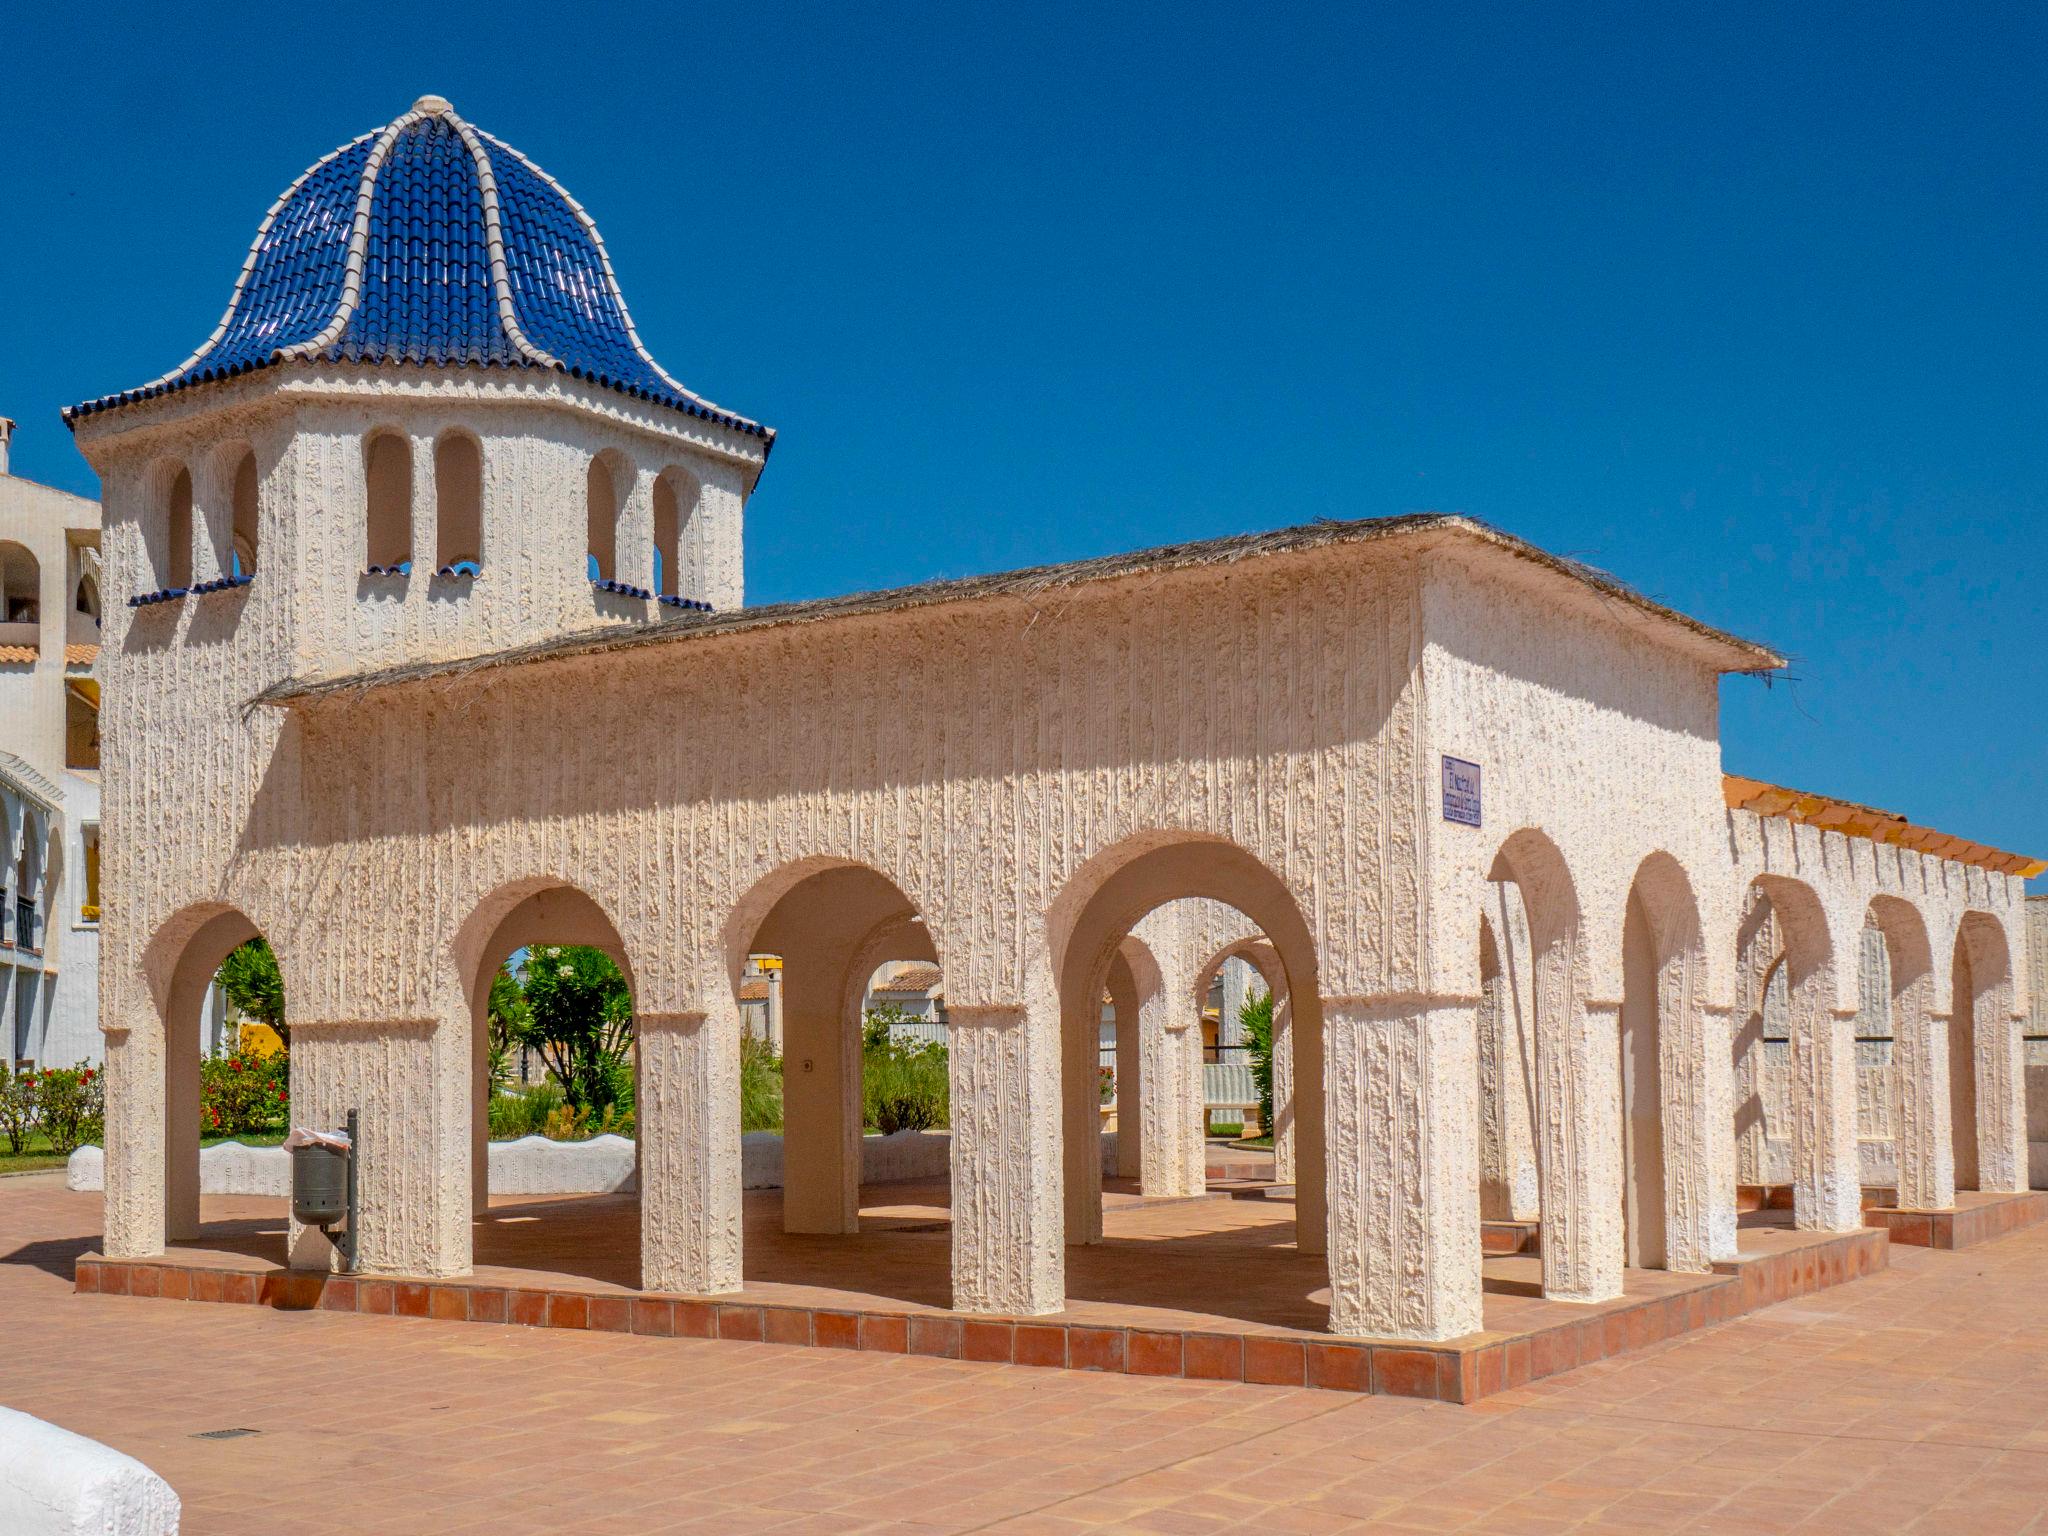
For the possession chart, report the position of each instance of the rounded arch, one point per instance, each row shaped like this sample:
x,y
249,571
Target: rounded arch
x,y
1577,1079
458,502
85,597
1987,1075
538,909
520,914
1106,897
230,529
744,921
1532,860
179,963
387,501
1100,904
21,585
1678,1190
832,921
1917,1097
607,482
1821,1092
1255,951
1508,1181
245,531
677,495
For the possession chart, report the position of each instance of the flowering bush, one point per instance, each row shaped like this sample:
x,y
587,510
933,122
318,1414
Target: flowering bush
x,y
72,1105
1105,1083
18,1109
243,1095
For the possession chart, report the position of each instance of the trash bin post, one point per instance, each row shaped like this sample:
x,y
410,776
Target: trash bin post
x,y
348,1256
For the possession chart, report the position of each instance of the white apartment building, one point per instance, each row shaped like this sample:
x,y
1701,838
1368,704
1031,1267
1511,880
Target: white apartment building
x,y
49,771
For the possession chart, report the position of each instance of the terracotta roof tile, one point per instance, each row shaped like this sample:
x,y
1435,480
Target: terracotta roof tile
x,y
753,991
912,978
81,655
10,654
1867,821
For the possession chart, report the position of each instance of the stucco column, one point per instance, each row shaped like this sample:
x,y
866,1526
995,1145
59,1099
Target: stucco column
x,y
133,1209
2001,1096
688,1111
1718,1085
1921,1128
411,1083
821,1090
1237,974
1827,1179
1009,1228
1402,1126
1756,954
1130,1114
1507,1170
1282,1129
1578,1132
1174,1162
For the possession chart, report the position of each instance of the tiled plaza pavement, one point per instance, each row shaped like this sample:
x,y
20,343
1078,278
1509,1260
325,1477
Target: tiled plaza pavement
x,y
1915,1399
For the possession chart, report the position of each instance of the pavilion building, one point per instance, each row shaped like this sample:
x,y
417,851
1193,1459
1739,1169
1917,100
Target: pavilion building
x,y
424,614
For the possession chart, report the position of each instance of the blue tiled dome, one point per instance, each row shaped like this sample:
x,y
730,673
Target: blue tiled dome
x,y
429,242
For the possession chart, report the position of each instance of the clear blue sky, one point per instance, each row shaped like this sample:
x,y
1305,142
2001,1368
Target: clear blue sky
x,y
1748,310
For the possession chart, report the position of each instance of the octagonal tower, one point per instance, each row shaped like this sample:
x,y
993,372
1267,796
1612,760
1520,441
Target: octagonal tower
x,y
424,428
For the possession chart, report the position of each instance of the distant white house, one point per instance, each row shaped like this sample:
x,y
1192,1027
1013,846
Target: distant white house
x,y
49,771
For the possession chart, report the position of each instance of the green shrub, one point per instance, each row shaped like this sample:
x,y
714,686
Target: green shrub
x,y
71,1102
760,1085
904,1084
1257,1018
244,1095
18,1108
523,1111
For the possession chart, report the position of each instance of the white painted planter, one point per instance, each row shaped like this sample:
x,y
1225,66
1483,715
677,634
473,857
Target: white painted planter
x,y
533,1165
55,1483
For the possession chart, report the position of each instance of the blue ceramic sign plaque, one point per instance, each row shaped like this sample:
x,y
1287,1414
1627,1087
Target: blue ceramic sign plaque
x,y
1461,791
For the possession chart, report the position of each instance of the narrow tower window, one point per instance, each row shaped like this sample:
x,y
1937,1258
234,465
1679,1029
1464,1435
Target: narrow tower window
x,y
668,568
676,573
603,501
178,533
242,554
458,505
389,473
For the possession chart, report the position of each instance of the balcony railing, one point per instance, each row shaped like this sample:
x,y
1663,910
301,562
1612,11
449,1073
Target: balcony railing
x,y
25,933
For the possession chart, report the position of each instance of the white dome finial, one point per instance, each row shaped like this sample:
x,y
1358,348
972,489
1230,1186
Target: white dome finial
x,y
432,105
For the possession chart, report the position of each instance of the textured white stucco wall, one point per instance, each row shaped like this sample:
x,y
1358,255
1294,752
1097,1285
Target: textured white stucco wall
x,y
1266,733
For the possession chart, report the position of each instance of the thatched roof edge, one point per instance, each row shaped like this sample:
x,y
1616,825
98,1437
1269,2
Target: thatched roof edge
x,y
1737,654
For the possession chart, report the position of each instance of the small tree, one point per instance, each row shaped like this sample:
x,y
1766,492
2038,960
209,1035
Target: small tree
x,y
72,1103
509,1016
250,978
1256,1017
579,1017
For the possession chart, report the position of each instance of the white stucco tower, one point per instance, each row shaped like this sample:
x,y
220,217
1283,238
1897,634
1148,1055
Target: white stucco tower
x,y
427,410
424,429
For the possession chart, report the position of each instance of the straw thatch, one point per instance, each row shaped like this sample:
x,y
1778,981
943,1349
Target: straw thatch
x,y
1731,653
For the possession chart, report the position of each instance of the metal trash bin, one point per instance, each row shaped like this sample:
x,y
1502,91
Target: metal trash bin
x,y
319,1185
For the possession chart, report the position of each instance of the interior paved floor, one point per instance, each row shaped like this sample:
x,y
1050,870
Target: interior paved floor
x,y
1914,1400
1225,1262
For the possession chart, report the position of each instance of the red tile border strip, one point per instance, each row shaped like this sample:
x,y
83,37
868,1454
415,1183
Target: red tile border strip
x,y
1963,1228
1451,1372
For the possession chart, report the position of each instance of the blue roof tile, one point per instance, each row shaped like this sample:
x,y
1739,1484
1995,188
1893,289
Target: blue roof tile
x,y
426,293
